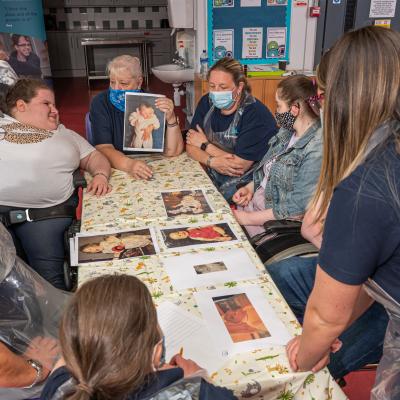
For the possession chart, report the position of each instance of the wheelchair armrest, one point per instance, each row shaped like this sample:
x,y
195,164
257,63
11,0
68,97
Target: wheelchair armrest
x,y
78,179
283,226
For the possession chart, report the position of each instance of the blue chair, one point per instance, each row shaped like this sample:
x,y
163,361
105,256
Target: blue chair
x,y
88,129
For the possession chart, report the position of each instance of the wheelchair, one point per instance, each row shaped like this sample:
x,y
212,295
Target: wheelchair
x,y
282,239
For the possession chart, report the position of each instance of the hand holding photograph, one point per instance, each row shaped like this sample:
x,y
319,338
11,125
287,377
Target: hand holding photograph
x,y
144,123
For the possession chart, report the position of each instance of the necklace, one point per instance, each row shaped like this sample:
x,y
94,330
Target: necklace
x,y
19,133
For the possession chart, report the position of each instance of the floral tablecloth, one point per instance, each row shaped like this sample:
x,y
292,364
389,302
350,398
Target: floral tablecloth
x,y
259,374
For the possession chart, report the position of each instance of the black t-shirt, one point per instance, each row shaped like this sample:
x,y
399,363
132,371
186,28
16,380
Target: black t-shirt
x,y
31,67
161,380
362,230
255,128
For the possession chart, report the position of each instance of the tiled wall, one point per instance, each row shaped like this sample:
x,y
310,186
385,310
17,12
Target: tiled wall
x,y
109,17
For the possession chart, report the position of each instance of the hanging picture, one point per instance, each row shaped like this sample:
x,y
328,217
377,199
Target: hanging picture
x,y
224,3
277,2
276,42
223,43
252,42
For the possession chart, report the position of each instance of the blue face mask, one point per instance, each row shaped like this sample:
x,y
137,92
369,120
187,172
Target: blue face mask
x,y
222,100
117,97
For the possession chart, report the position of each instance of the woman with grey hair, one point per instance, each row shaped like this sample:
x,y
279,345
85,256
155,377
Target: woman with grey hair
x,y
107,118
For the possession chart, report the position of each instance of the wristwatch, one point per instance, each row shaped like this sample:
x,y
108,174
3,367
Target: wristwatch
x,y
39,372
204,146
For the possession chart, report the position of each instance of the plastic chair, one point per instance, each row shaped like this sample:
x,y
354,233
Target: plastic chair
x,y
88,129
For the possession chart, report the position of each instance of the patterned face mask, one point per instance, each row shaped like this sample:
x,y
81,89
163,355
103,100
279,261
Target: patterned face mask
x,y
117,97
285,120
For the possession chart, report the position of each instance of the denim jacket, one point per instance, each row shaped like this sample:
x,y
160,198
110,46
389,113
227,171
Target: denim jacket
x,y
294,174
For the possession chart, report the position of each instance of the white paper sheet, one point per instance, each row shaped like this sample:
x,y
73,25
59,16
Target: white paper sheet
x,y
223,43
209,268
277,333
250,3
382,8
182,330
252,42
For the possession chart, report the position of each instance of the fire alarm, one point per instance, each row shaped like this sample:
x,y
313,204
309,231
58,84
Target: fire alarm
x,y
315,11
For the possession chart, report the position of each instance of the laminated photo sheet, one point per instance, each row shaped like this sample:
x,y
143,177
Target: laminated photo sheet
x,y
200,235
186,202
144,123
96,247
188,333
240,319
190,270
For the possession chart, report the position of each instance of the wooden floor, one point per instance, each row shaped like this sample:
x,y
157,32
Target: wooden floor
x,y
73,99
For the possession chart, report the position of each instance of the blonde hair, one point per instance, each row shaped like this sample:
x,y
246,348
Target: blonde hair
x,y
130,63
362,92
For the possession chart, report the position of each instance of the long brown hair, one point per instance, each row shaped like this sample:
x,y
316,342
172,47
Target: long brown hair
x,y
107,336
298,89
362,92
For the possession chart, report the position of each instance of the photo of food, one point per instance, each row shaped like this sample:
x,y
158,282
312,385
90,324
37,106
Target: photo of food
x,y
183,236
210,267
185,202
144,124
115,246
240,318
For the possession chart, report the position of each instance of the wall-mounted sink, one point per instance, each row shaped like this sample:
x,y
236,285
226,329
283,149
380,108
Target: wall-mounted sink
x,y
173,73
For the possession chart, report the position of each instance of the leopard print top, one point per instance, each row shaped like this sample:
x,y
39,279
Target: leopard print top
x,y
19,133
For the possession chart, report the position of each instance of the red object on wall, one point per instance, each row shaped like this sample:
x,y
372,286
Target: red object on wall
x,y
315,11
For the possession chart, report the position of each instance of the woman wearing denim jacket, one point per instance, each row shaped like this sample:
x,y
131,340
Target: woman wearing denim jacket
x,y
287,175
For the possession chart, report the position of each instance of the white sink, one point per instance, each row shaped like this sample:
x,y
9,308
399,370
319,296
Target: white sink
x,y
173,73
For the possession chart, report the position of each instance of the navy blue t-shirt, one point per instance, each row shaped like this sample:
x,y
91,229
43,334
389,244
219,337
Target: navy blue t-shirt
x,y
162,379
362,230
107,122
255,127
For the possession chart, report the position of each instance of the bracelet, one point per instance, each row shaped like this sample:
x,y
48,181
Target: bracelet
x,y
37,366
176,123
101,173
208,162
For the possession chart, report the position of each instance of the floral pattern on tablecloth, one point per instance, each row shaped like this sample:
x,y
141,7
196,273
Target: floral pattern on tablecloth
x,y
260,374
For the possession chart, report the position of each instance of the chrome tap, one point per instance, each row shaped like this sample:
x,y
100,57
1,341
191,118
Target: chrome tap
x,y
180,61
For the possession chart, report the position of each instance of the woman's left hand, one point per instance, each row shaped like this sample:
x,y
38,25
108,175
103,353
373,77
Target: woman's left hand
x,y
99,186
196,137
242,217
166,105
292,349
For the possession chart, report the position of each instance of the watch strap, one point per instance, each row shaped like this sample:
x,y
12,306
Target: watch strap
x,y
204,145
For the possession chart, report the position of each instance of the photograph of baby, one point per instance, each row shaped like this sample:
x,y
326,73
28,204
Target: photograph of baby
x,y
240,318
144,124
210,267
183,236
185,202
115,246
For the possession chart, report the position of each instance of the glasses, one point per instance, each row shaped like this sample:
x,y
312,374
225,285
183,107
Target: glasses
x,y
24,45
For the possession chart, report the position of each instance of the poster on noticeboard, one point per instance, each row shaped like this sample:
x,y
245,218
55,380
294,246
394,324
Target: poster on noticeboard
x,y
23,45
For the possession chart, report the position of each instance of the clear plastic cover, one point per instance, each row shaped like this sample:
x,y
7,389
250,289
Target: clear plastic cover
x,y
30,307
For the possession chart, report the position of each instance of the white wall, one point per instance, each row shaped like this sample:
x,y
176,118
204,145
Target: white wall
x,y
302,36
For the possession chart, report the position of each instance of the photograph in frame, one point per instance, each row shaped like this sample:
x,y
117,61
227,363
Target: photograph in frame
x,y
144,123
185,202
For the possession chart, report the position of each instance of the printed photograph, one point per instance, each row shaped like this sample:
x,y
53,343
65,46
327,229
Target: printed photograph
x,y
223,3
144,124
23,56
183,236
115,246
210,267
240,318
185,202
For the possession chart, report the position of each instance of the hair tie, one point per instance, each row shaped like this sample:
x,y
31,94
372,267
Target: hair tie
x,y
84,387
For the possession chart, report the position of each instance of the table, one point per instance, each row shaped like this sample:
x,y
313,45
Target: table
x,y
90,43
134,204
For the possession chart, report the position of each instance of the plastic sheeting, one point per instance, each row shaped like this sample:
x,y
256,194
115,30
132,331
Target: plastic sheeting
x,y
387,383
30,307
